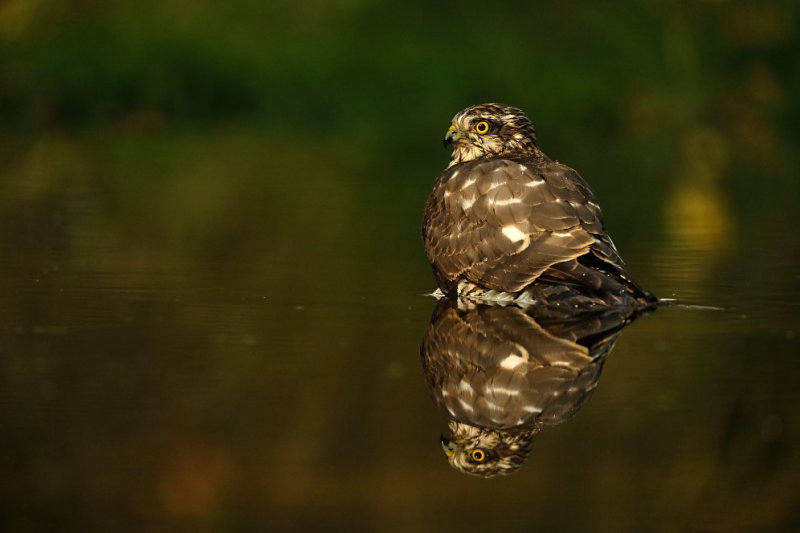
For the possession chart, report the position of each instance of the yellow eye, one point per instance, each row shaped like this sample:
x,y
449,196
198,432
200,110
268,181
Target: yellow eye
x,y
482,127
478,455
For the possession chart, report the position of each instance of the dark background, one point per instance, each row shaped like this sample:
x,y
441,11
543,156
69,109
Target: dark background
x,y
210,264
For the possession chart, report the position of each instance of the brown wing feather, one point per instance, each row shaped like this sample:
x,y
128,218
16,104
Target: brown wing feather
x,y
502,224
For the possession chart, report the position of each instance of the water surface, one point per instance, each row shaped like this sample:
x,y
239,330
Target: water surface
x,y
211,347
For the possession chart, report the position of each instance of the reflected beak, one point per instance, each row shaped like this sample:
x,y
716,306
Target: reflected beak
x,y
451,136
447,445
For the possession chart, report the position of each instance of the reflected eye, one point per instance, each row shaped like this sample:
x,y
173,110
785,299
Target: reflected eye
x,y
478,455
482,127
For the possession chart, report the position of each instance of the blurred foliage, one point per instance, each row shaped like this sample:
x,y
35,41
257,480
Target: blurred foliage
x,y
615,90
210,258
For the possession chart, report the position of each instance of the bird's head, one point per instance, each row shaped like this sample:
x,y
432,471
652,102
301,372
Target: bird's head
x,y
490,130
487,452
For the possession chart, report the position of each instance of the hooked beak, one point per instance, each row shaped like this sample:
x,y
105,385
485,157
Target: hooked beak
x,y
448,446
451,136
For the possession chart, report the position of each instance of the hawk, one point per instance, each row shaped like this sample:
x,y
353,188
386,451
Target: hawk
x,y
503,219
502,374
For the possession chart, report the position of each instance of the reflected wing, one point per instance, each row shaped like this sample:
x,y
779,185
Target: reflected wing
x,y
502,224
497,367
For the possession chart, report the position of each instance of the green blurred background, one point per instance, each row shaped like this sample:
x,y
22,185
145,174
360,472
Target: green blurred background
x,y
210,259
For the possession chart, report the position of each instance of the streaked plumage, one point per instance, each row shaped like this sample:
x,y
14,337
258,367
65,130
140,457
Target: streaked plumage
x,y
504,217
501,375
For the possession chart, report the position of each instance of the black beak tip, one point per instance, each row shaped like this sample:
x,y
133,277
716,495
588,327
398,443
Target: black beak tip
x,y
449,138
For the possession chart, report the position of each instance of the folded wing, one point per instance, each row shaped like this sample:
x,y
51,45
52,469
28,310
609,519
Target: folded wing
x,y
503,224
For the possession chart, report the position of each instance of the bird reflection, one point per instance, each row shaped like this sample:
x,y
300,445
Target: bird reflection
x,y
501,374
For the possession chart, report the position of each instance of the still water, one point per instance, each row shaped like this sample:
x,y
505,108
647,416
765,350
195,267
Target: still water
x,y
207,347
